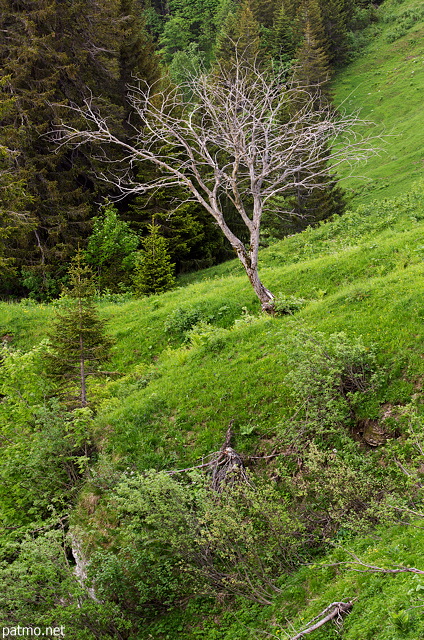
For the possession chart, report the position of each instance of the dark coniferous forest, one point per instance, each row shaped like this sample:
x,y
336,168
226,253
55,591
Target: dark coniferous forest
x,y
56,55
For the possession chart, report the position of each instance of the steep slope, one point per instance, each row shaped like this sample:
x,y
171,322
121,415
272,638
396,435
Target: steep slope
x,y
325,459
387,84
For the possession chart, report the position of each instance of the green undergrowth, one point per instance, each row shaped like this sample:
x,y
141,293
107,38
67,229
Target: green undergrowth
x,y
385,606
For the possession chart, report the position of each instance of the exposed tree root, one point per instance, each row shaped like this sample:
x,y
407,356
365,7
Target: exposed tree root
x,y
226,466
335,611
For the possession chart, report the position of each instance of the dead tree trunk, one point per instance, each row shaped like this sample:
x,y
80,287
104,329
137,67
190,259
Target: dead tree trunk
x,y
244,136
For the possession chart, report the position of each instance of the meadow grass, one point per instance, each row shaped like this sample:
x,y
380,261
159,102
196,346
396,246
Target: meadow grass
x,y
387,84
190,361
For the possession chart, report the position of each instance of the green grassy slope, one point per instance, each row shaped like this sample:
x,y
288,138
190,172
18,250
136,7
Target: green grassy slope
x,y
361,274
198,357
189,392
387,83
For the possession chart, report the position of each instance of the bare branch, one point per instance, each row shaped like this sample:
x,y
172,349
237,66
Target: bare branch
x,y
335,611
370,568
247,135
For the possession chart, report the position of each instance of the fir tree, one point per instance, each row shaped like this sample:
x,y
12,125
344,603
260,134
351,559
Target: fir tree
x,y
286,35
334,19
57,53
312,71
310,16
15,222
137,57
155,272
239,38
78,340
263,11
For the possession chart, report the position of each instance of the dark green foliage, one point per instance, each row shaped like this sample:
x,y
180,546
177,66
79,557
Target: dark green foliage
x,y
193,240
78,341
239,38
58,53
15,222
137,57
179,540
334,17
264,11
111,250
37,435
154,272
330,376
304,208
286,36
312,71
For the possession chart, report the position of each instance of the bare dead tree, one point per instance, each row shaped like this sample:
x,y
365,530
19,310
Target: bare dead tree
x,y
246,135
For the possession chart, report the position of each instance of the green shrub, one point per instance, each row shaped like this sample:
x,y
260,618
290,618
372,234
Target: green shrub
x,y
331,377
287,305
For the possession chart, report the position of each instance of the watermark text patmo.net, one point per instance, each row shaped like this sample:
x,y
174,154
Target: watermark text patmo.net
x,y
33,632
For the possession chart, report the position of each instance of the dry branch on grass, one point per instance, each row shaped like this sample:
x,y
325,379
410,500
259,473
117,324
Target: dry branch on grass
x,y
371,568
335,611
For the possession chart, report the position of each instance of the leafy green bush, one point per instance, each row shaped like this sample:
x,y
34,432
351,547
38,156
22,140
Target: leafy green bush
x,y
287,305
179,539
36,580
111,250
331,377
181,321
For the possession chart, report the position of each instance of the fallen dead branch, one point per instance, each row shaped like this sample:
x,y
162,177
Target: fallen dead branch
x,y
371,568
335,611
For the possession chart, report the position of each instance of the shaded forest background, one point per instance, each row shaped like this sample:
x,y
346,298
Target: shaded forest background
x,y
54,55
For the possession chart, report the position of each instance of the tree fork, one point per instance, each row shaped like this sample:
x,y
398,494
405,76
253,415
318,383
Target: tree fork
x,y
273,144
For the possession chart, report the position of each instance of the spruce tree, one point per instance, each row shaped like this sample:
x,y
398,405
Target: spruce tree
x,y
286,35
58,53
239,37
137,57
15,222
334,18
155,272
263,11
79,344
311,19
312,70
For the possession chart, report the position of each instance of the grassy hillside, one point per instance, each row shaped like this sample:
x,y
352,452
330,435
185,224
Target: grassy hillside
x,y
325,406
196,358
387,83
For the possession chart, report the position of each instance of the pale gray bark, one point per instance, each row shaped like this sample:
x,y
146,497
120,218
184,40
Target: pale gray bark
x,y
243,136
